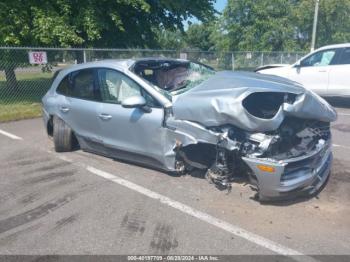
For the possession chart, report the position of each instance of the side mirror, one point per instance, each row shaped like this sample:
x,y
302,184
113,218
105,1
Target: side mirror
x,y
136,102
297,64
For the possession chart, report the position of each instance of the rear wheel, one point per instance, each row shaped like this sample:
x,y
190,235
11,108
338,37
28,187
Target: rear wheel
x,y
62,136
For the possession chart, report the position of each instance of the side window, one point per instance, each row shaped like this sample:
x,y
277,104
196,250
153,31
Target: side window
x,y
345,57
115,87
322,58
64,87
83,85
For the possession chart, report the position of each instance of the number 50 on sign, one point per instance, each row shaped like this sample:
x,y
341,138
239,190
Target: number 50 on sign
x,y
37,58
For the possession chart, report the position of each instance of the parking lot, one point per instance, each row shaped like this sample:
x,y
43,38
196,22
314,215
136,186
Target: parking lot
x,y
80,203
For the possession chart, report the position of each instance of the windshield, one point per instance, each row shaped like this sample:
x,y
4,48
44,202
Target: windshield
x,y
197,74
172,77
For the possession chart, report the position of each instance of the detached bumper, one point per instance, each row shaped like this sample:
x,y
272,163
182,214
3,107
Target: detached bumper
x,y
290,177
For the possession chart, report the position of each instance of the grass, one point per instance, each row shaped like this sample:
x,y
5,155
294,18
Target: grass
x,y
25,101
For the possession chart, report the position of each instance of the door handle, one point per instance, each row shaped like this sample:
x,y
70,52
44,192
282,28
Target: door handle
x,y
64,109
104,116
322,70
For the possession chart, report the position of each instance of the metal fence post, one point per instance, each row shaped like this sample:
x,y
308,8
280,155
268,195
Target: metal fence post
x,y
262,59
233,61
84,55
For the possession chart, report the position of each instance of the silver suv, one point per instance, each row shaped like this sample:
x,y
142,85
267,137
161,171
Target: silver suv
x,y
181,116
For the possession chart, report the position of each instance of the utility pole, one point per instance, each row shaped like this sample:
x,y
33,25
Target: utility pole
x,y
314,28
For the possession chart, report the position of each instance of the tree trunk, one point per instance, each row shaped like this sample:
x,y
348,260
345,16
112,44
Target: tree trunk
x,y
11,81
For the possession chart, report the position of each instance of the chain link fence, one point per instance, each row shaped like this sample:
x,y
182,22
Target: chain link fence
x,y
251,60
26,73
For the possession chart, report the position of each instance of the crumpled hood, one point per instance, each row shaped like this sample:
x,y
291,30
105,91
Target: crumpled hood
x,y
218,101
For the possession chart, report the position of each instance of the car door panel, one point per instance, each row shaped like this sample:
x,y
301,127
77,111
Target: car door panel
x,y
131,133
78,107
313,78
313,71
128,133
339,80
84,121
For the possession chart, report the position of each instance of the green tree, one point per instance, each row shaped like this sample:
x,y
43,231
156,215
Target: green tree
x,y
333,22
98,23
94,23
198,37
280,25
256,25
170,39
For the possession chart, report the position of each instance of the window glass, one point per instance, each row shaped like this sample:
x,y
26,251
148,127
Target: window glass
x,y
115,87
64,87
345,57
109,82
83,85
127,88
322,58
150,100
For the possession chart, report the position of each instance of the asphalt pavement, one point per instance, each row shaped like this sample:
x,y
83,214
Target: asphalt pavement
x,y
81,203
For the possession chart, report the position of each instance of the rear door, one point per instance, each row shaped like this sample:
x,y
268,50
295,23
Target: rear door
x,y
339,75
313,71
78,107
129,133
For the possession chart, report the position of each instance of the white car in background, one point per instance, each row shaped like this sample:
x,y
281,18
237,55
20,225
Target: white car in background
x,y
326,71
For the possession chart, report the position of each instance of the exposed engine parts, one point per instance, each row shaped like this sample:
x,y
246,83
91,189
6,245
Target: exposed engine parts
x,y
220,172
294,138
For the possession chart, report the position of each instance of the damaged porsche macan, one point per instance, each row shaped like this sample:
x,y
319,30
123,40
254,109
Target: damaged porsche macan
x,y
181,116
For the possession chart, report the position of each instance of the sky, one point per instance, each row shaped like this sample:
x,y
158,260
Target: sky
x,y
219,6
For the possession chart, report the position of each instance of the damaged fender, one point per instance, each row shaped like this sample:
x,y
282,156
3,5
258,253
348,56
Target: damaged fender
x,y
220,101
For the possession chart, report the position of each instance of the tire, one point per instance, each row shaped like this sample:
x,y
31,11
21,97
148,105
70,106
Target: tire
x,y
62,136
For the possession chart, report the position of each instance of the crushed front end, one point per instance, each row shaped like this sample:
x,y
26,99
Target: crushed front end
x,y
292,160
233,125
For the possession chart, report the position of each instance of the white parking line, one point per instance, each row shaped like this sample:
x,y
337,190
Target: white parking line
x,y
10,135
336,145
233,229
343,114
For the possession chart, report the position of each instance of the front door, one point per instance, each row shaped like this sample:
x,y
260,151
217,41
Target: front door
x,y
313,71
129,133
